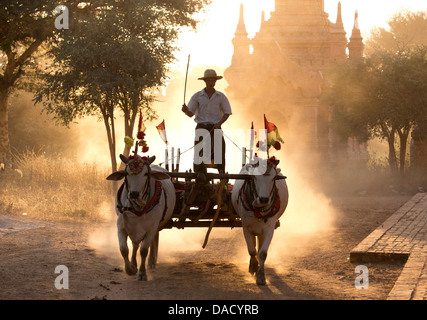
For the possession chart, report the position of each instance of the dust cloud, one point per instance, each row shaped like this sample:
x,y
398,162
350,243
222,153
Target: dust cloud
x,y
310,212
104,239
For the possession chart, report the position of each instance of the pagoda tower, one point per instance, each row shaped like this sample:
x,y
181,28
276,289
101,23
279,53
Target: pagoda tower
x,y
356,46
284,74
241,57
338,38
241,42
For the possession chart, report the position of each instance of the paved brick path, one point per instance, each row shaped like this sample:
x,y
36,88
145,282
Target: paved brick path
x,y
402,237
412,282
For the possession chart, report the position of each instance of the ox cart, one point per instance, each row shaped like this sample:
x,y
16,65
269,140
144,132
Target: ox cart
x,y
202,199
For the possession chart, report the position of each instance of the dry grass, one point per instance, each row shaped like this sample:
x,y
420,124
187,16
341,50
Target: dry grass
x,y
55,188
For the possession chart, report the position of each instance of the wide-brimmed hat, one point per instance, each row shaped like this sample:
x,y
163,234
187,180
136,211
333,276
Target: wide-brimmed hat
x,y
209,74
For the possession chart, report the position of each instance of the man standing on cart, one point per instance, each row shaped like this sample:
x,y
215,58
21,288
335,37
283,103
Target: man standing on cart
x,y
211,109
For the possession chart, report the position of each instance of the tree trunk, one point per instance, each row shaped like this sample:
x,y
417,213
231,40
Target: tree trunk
x,y
111,140
403,137
129,121
5,154
392,161
12,72
108,117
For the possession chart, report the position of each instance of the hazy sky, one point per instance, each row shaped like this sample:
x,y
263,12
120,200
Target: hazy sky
x,y
211,44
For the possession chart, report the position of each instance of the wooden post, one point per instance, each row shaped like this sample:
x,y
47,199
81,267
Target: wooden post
x,y
178,160
173,158
166,159
218,195
243,156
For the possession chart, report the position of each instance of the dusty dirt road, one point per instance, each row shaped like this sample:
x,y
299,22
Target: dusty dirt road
x,y
310,265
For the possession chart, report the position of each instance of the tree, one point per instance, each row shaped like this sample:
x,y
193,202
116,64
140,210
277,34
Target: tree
x,y
396,44
405,30
385,93
24,27
402,91
114,60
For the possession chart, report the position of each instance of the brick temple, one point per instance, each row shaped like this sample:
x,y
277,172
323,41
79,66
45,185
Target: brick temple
x,y
280,72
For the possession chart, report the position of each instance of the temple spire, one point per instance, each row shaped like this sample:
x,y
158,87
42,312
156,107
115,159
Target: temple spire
x,y
356,46
241,28
241,42
339,16
356,21
262,17
356,30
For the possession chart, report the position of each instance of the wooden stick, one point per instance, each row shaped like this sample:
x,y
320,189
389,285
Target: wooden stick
x,y
220,186
178,160
205,209
172,158
135,152
243,156
166,159
186,75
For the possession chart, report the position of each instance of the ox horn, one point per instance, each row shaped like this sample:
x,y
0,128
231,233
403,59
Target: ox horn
x,y
136,148
280,177
150,160
124,159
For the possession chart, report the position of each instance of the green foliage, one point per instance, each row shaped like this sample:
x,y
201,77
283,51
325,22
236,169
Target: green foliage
x,y
405,30
114,53
25,26
401,86
386,92
116,56
22,22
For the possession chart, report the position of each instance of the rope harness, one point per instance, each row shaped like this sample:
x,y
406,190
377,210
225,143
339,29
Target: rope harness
x,y
248,194
148,207
150,204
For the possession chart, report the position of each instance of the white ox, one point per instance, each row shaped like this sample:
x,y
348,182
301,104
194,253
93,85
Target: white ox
x,y
260,201
144,203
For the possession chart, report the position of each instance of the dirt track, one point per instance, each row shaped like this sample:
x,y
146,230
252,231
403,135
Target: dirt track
x,y
313,266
